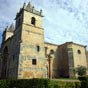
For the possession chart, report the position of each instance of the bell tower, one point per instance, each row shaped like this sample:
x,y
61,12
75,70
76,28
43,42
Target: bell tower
x,y
32,62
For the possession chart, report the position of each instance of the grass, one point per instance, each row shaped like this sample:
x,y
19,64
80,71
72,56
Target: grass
x,y
67,79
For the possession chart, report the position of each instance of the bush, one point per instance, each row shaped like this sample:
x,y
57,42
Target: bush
x,y
84,81
4,84
80,70
25,83
77,85
37,83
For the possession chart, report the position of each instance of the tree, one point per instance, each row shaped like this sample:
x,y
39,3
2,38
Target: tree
x,y
81,70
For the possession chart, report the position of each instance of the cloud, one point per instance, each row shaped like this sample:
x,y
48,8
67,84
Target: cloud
x,y
69,17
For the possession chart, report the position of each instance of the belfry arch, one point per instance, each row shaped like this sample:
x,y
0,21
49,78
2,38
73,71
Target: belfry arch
x,y
4,62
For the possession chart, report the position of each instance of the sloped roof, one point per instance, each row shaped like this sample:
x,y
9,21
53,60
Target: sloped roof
x,y
67,43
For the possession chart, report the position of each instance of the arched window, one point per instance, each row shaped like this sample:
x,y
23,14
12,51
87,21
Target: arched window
x,y
51,51
79,52
33,20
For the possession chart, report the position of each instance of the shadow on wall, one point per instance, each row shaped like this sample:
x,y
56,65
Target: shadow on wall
x,y
60,66
10,50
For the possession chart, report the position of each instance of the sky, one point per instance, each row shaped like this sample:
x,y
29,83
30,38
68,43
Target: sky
x,y
64,20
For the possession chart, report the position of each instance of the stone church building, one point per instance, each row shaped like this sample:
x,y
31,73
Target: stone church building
x,y
26,55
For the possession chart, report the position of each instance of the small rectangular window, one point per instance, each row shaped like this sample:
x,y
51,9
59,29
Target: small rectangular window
x,y
34,62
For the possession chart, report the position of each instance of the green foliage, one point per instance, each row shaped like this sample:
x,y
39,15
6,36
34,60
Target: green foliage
x,y
77,85
81,70
84,81
63,84
37,83
4,84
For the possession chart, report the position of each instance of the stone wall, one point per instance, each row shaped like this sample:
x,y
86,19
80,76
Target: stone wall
x,y
53,60
32,48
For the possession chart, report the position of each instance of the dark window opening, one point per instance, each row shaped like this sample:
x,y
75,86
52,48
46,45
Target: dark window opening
x,y
33,20
51,51
38,48
79,52
34,61
46,51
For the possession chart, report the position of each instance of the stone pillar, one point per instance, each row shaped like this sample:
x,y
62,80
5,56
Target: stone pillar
x,y
52,57
50,67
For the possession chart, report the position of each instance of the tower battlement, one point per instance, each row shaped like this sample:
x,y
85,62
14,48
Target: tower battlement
x,y
30,8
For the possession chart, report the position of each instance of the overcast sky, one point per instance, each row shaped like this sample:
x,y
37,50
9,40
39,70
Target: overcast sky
x,y
64,20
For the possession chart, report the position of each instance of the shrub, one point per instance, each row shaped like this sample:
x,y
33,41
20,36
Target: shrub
x,y
84,81
37,83
77,85
80,70
4,84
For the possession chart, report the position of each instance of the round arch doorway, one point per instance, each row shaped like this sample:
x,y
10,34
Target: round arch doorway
x,y
4,62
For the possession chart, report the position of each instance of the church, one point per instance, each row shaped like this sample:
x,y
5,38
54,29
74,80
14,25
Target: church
x,y
26,55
